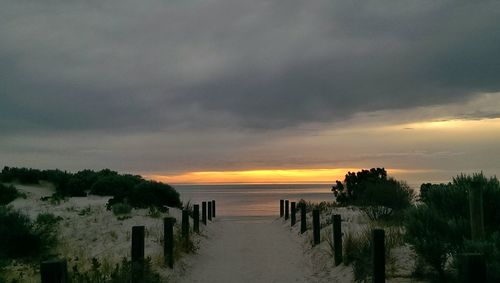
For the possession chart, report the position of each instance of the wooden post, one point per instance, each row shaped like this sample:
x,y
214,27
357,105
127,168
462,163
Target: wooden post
x,y
286,210
204,212
137,243
196,218
303,218
378,256
476,211
282,207
209,210
137,254
168,241
213,208
316,227
337,239
185,225
472,268
293,213
54,271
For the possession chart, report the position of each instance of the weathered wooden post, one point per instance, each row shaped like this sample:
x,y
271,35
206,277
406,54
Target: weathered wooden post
x,y
303,218
286,210
293,213
54,271
137,243
210,210
168,241
204,212
378,238
213,208
185,225
196,218
137,253
337,239
316,227
472,268
476,211
282,208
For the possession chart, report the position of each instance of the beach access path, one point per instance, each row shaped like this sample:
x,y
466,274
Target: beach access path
x,y
250,249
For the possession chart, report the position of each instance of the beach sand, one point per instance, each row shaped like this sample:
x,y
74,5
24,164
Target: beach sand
x,y
251,249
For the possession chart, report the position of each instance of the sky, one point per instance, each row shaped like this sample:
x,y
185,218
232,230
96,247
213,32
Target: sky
x,y
258,91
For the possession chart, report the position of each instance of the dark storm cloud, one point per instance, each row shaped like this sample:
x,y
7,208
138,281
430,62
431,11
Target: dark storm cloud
x,y
142,65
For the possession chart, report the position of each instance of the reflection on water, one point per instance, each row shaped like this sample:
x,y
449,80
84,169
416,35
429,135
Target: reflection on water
x,y
253,200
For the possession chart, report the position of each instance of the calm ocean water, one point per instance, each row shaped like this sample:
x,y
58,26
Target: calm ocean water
x,y
253,200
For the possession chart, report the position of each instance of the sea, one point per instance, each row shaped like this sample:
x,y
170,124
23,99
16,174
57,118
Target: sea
x,y
253,199
256,199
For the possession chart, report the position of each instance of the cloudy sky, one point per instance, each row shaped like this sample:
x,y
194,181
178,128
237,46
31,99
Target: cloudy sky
x,y
220,90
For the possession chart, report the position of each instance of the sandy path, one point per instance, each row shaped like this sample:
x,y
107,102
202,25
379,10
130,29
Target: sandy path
x,y
250,250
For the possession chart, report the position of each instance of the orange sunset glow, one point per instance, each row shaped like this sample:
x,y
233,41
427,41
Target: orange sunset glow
x,y
268,176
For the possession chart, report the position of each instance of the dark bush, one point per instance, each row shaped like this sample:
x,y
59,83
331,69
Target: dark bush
x,y
440,228
429,234
452,199
379,195
124,272
8,194
20,237
490,248
17,236
151,193
138,192
22,175
381,199
115,185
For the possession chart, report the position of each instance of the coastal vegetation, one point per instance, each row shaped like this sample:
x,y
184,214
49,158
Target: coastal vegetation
x,y
138,192
8,193
436,225
57,219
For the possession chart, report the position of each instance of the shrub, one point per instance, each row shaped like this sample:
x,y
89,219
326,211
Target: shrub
x,y
357,250
20,237
121,208
154,212
433,237
490,248
115,185
378,195
8,194
321,206
47,220
355,184
151,193
126,271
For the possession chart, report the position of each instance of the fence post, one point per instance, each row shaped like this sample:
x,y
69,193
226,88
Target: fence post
x,y
476,211
213,208
293,213
54,271
316,227
137,243
204,212
137,253
337,239
378,256
185,225
282,208
303,218
196,218
472,268
209,210
286,210
168,241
